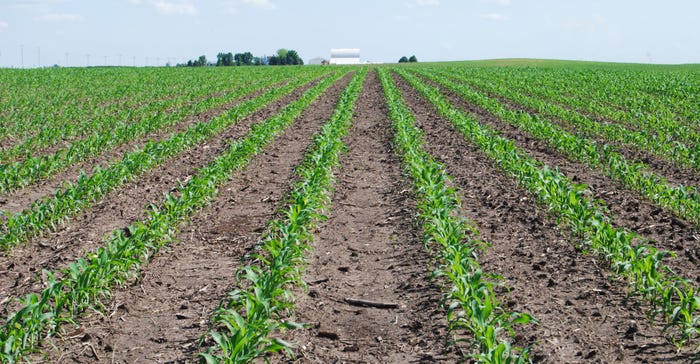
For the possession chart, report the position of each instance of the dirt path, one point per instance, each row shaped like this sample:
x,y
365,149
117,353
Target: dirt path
x,y
628,208
116,210
368,249
584,315
161,318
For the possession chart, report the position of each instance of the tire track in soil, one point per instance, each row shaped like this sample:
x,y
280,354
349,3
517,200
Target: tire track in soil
x,y
21,199
160,318
663,167
21,269
628,208
368,249
585,314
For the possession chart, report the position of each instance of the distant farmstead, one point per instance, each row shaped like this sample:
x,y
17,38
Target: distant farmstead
x,y
345,56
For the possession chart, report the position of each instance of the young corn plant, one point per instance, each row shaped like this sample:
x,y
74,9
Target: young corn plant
x,y
33,168
670,296
681,201
473,306
245,321
49,212
87,283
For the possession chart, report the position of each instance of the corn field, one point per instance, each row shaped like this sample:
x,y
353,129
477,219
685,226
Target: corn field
x,y
483,212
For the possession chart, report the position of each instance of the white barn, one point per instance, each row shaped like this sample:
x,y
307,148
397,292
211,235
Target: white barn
x,y
345,56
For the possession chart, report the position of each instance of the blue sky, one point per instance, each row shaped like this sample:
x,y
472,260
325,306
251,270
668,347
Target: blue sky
x,y
139,32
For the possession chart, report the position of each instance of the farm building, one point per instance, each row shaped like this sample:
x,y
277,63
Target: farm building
x,y
317,61
345,56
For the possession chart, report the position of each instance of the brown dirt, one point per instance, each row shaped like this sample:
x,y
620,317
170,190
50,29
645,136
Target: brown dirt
x,y
628,208
161,318
368,249
117,210
21,199
585,314
675,174
106,127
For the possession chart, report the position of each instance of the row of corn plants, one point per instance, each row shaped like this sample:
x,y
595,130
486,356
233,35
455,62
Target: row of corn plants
x,y
248,315
38,101
473,305
37,98
87,283
45,214
653,115
81,119
659,138
682,201
644,97
670,296
31,169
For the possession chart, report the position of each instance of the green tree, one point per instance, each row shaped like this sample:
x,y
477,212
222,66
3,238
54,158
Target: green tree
x,y
224,59
243,59
403,59
293,58
282,56
413,59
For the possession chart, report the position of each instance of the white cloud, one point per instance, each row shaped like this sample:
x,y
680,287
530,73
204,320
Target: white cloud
x,y
64,17
498,2
4,25
183,7
170,7
421,3
262,4
494,17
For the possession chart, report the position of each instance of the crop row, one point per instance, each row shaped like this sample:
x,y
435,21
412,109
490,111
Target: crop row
x,y
664,138
20,174
473,305
653,115
244,321
77,120
38,101
680,200
51,211
644,98
670,296
86,283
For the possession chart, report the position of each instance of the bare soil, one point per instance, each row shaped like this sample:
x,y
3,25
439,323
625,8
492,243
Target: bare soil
x,y
675,174
87,231
162,317
586,315
21,199
368,249
628,208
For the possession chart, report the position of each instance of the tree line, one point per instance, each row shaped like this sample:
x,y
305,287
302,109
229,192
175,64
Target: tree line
x,y
281,58
406,60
